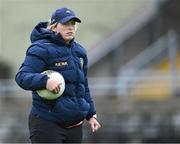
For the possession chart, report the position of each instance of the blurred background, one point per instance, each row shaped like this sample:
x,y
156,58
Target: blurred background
x,y
134,66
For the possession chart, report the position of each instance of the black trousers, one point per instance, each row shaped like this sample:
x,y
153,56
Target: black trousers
x,y
43,131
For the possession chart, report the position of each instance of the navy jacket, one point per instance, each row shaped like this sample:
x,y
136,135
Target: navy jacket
x,y
48,51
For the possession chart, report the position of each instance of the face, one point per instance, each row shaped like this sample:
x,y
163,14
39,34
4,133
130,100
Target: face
x,y
67,30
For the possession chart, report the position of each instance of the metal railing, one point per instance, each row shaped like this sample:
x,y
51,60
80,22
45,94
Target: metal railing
x,y
103,86
167,43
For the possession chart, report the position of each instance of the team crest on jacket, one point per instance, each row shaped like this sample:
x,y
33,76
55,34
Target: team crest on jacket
x,y
81,62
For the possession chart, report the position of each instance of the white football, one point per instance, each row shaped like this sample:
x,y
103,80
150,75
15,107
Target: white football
x,y
45,93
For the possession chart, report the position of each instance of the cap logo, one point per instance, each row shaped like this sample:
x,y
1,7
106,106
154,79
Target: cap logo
x,y
68,11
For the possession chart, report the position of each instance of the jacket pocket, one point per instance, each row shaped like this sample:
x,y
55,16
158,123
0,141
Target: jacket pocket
x,y
83,106
68,110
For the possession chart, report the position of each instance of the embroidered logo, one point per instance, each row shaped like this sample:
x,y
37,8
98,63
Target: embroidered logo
x,y
63,63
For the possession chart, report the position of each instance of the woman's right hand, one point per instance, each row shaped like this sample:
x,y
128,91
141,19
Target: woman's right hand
x,y
53,85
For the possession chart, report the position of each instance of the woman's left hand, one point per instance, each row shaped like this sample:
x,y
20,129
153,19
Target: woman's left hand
x,y
94,124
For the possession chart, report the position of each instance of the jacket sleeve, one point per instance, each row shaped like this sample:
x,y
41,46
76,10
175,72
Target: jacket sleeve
x,y
88,97
29,76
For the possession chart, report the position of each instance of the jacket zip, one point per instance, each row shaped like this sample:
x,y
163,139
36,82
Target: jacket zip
x,y
74,61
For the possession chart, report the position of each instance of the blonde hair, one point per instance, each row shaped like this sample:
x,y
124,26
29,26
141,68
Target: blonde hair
x,y
51,26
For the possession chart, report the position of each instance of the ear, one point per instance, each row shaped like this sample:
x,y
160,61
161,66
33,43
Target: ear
x,y
54,28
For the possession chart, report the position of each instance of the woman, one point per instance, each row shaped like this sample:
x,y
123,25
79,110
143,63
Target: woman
x,y
54,48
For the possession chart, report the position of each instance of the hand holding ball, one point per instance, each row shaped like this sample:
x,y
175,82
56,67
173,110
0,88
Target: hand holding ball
x,y
55,86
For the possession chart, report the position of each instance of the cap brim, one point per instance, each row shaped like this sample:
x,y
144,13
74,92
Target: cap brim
x,y
66,19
